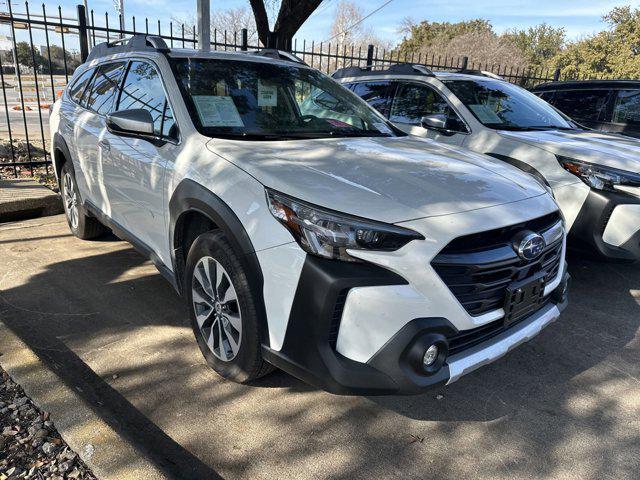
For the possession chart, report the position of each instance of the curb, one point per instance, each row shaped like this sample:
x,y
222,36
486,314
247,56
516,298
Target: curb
x,y
25,198
110,456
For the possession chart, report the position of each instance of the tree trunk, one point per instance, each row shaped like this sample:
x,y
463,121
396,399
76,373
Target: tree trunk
x,y
292,14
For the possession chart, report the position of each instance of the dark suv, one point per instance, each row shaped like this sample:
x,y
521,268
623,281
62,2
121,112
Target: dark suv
x,y
607,105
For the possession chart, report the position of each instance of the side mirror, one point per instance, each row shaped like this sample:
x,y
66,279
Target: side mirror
x,y
434,121
135,122
443,124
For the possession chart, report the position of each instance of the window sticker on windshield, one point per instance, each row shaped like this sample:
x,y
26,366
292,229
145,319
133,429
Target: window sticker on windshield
x,y
215,111
267,95
382,128
485,114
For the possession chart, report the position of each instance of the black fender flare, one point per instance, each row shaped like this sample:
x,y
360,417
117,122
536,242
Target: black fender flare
x,y
190,196
525,167
59,143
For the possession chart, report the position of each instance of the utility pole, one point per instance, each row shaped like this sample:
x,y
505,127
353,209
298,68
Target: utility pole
x,y
86,9
119,6
204,25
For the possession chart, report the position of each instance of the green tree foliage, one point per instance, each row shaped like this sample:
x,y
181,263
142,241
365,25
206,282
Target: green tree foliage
x,y
425,35
26,56
539,44
611,53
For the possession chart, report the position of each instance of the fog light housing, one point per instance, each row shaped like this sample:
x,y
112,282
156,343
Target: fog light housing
x,y
430,356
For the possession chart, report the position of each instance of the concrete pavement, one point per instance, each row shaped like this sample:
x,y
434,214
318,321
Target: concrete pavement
x,y
104,325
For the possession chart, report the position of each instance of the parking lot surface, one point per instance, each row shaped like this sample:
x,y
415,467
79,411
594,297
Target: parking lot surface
x,y
564,406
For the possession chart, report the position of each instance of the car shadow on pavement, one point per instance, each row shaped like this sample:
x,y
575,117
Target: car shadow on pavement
x,y
48,313
75,311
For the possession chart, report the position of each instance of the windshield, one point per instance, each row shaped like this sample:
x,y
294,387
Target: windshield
x,y
503,106
265,101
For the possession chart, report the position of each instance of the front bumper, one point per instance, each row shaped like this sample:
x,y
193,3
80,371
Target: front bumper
x,y
309,351
609,223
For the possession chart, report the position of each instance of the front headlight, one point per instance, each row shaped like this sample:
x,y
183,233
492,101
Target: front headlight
x,y
599,176
329,234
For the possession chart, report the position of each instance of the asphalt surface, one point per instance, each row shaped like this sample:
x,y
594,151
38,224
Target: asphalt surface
x,y
564,406
18,118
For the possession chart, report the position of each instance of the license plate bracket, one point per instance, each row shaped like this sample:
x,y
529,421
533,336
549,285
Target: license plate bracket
x,y
523,298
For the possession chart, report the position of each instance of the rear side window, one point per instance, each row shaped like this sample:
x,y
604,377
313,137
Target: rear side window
x,y
142,88
626,109
78,87
374,93
412,102
582,104
104,87
546,96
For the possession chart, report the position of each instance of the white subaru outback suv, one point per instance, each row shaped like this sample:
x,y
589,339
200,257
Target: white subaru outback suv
x,y
595,176
311,236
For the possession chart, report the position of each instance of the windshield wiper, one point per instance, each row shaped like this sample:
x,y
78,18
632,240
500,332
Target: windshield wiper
x,y
531,128
358,133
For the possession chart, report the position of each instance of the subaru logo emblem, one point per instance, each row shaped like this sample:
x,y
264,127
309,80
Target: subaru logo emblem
x,y
529,245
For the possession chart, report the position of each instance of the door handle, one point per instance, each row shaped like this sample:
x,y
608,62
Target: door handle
x,y
105,145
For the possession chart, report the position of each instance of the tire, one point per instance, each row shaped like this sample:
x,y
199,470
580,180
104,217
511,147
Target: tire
x,y
80,223
217,318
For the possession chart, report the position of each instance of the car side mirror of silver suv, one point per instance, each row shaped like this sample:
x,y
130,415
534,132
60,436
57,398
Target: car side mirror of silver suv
x,y
134,122
444,124
434,121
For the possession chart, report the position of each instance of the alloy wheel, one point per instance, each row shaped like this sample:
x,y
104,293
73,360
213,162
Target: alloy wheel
x,y
70,200
216,307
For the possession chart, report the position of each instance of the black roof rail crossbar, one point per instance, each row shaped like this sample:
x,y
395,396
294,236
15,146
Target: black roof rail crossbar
x,y
134,44
398,69
276,55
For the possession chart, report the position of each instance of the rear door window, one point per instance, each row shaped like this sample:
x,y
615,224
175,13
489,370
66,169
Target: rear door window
x,y
375,94
582,104
626,109
79,86
104,87
546,96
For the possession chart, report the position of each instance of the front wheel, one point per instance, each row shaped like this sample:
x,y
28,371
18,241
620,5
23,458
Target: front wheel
x,y
223,309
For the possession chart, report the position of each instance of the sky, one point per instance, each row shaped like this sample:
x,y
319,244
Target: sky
x,y
579,18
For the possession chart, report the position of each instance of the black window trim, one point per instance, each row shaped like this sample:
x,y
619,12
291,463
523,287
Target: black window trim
x,y
396,88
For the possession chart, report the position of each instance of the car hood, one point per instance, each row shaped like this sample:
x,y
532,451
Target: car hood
x,y
607,149
386,179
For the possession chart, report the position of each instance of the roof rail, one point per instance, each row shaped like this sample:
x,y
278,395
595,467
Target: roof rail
x,y
276,55
398,69
123,45
482,73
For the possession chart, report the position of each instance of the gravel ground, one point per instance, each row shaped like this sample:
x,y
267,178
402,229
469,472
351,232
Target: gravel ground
x,y
30,446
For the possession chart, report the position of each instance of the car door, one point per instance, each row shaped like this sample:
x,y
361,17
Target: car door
x,y
413,102
136,168
97,101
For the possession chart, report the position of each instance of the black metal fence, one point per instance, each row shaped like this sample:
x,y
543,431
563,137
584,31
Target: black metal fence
x,y
32,78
